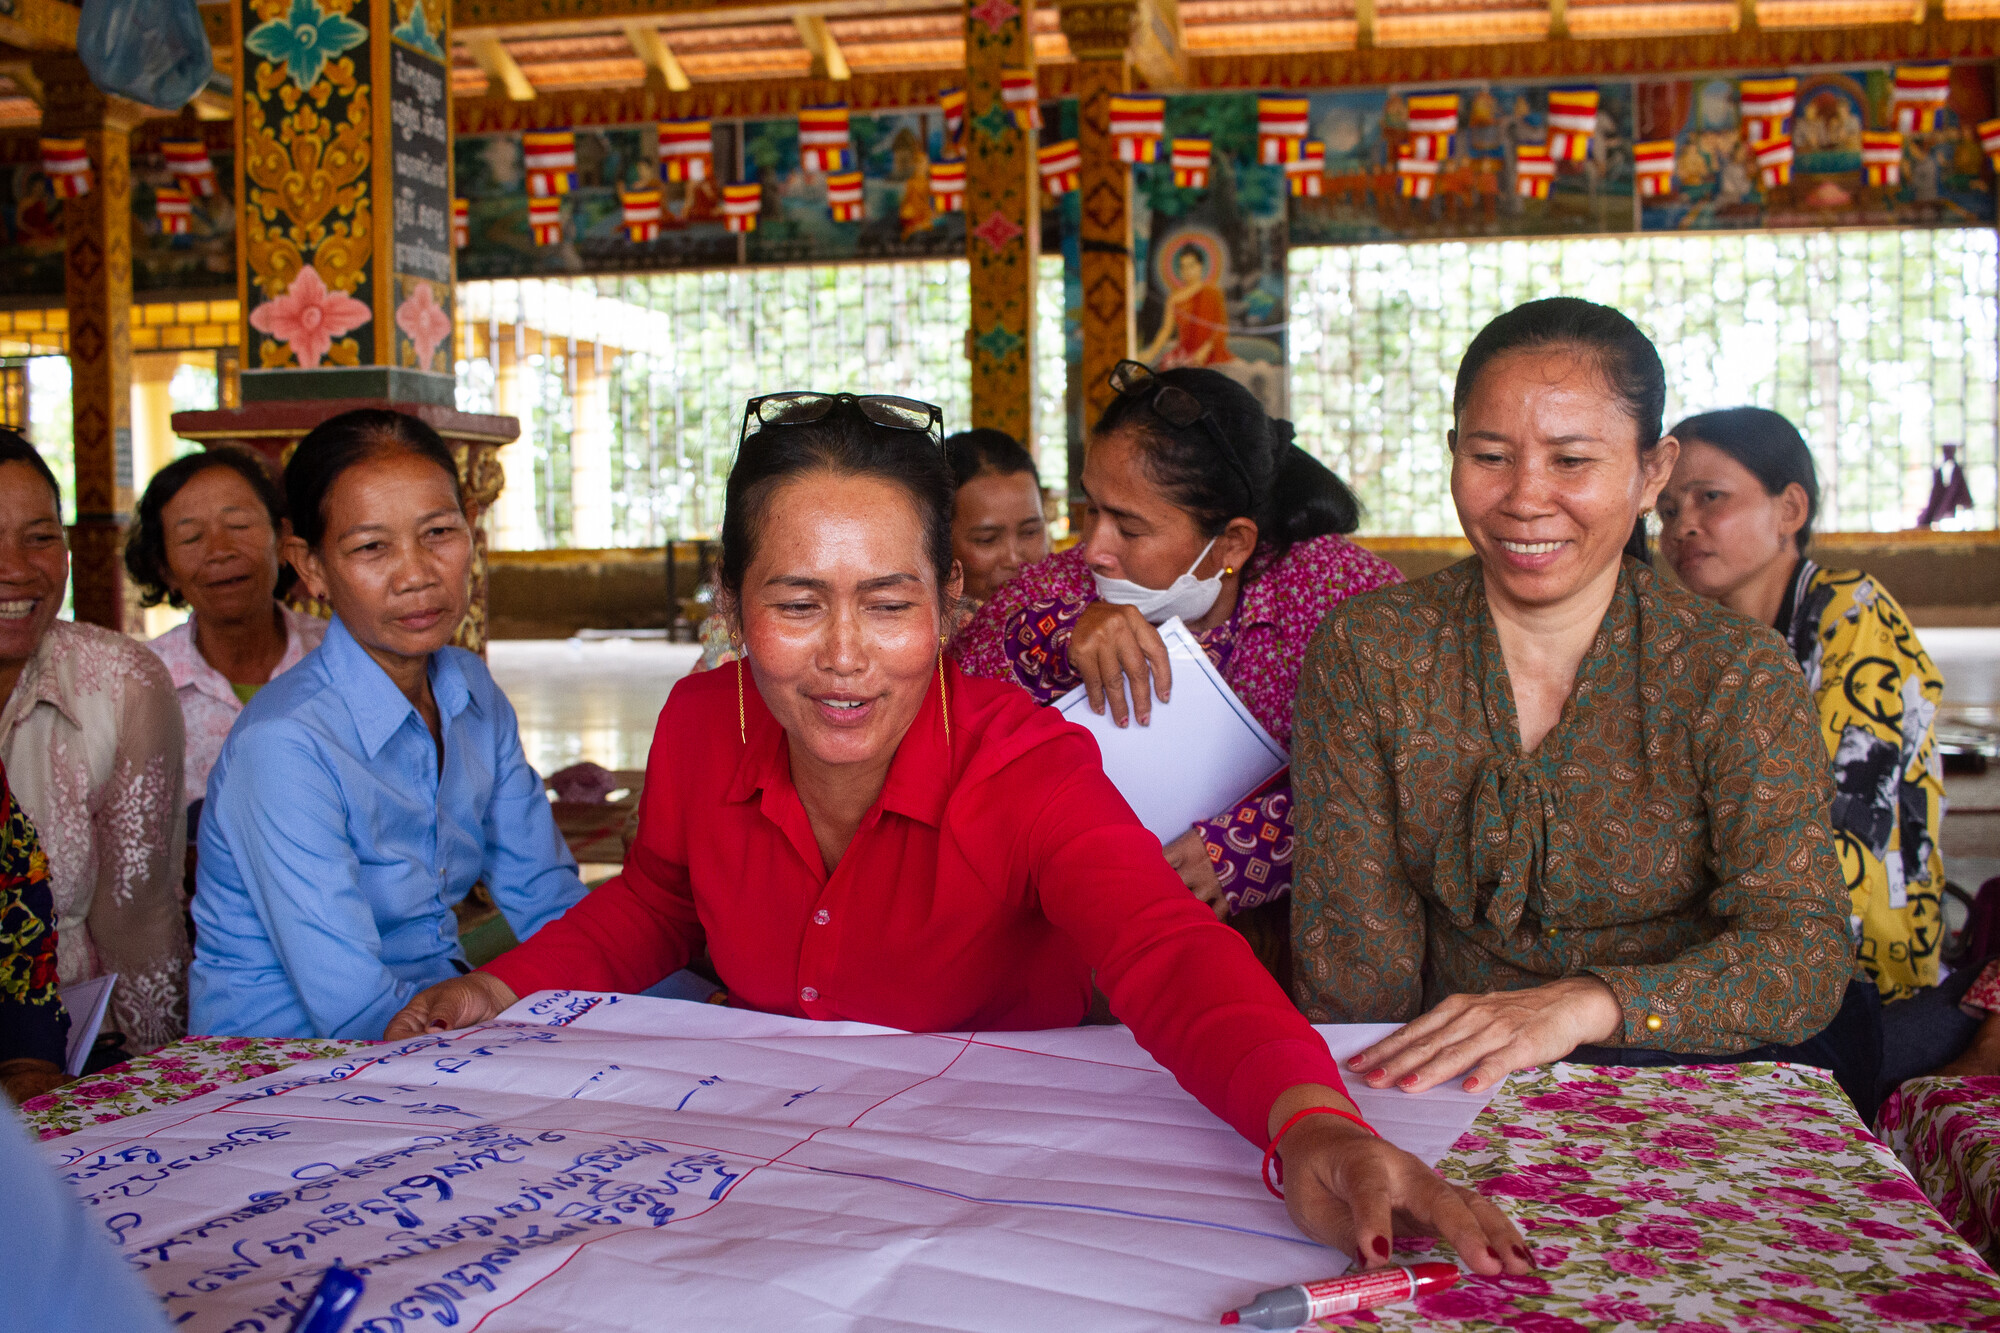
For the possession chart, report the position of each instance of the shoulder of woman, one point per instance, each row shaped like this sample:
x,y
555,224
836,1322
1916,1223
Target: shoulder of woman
x,y
1709,647
1063,574
1403,618
90,659
1857,596
1008,725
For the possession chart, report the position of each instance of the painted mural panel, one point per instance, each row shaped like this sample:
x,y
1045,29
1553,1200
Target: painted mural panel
x,y
1943,178
1210,258
898,221
1474,192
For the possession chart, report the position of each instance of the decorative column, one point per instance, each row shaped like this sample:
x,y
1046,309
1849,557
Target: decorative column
x,y
97,286
1002,207
345,261
1099,37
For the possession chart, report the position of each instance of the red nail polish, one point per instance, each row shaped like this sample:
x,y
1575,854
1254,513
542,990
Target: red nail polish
x,y
1377,1073
1381,1247
1408,1080
1521,1253
1493,1254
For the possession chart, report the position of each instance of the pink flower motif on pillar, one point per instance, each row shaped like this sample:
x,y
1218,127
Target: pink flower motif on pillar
x,y
994,13
308,317
424,320
998,230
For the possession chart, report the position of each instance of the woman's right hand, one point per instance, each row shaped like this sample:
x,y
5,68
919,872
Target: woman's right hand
x,y
1113,648
457,1003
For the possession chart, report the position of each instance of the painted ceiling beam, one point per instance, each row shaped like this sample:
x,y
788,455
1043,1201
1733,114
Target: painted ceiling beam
x,y
501,69
651,47
820,44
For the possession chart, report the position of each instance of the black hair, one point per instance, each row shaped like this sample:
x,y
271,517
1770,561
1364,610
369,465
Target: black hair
x,y
14,448
846,443
146,543
971,452
338,443
1292,496
1623,354
1766,443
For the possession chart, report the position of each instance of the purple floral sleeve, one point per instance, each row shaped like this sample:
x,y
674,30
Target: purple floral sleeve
x,y
1251,847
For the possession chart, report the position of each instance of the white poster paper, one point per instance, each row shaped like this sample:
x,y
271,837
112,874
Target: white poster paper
x,y
615,1162
87,1002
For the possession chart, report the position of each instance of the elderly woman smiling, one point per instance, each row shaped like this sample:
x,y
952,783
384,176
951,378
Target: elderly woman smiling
x,y
858,831
1550,806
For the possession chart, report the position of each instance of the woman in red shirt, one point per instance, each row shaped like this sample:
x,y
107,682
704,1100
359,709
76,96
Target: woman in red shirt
x,y
857,831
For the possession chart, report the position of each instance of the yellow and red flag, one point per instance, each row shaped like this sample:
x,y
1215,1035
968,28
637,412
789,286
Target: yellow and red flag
x,y
175,210
844,196
66,162
1534,170
1307,175
948,187
1416,176
1433,120
1190,162
550,157
461,223
1137,126
1022,95
1061,166
1765,105
545,220
1989,139
1774,161
1653,164
1282,124
642,214
824,143
188,163
952,102
1572,120
1882,156
687,150
740,205
1921,92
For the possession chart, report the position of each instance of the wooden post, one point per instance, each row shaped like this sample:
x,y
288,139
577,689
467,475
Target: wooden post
x,y
1099,37
1002,206
97,286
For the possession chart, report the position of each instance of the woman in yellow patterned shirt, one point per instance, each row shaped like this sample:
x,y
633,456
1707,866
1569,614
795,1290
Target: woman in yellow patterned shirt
x,y
1735,521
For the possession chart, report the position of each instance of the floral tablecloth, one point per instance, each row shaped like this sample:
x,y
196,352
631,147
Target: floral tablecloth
x,y
1947,1131
1695,1200
184,1069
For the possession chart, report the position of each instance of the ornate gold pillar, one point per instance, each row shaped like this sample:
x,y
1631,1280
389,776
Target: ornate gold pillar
x,y
1002,213
1100,33
345,261
97,286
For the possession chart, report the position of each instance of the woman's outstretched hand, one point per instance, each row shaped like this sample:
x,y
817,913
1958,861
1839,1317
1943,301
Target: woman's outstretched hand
x,y
1346,1188
1113,648
457,1003
1492,1035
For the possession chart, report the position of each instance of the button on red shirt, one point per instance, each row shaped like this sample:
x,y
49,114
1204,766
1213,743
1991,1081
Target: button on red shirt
x,y
981,891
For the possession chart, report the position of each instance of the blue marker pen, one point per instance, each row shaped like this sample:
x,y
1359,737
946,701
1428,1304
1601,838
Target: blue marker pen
x,y
332,1301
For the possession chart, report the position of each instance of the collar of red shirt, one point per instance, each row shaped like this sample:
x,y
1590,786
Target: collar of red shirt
x,y
920,776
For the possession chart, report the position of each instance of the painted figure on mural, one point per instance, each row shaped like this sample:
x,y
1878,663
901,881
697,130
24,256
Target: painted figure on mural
x,y
1195,331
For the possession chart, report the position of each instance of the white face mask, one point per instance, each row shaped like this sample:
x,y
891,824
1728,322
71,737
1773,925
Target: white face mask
x,y
1189,598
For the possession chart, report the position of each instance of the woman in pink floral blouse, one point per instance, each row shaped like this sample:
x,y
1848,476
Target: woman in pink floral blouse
x,y
1201,507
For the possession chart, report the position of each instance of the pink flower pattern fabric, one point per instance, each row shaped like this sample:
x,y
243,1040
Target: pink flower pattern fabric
x,y
187,1068
1985,992
1023,634
1947,1131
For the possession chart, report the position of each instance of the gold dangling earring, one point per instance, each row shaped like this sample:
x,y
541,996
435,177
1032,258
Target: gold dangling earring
x,y
742,731
944,705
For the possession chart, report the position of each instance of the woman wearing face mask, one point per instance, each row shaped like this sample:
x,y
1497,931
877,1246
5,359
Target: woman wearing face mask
x,y
859,832
1735,522
1201,507
1561,808
362,794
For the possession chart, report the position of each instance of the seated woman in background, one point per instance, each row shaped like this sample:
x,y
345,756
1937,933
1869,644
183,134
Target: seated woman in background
x,y
34,1025
1202,507
858,831
996,514
91,740
1551,806
361,796
206,537
1735,523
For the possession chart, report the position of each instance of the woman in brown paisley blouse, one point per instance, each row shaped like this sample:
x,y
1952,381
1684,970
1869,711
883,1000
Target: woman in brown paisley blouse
x,y
1549,805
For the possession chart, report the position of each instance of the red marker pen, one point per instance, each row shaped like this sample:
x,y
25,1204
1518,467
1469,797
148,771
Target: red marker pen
x,y
1288,1307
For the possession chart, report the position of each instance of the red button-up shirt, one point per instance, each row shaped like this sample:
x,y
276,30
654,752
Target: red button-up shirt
x,y
981,891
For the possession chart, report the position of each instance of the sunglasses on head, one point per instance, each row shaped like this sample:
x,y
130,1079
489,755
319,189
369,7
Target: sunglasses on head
x,y
799,407
1176,407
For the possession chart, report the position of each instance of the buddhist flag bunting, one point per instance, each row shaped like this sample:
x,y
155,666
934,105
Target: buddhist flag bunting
x,y
844,196
687,150
1022,96
824,145
948,187
1307,175
1774,161
1282,124
1765,105
1534,170
1190,162
1137,126
1653,164
1921,91
1433,120
188,163
175,210
550,157
1989,139
952,100
461,223
740,204
67,165
1882,156
1416,176
1572,120
545,220
1062,167
642,214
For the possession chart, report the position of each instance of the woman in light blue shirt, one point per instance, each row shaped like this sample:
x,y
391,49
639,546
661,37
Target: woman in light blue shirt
x,y
363,793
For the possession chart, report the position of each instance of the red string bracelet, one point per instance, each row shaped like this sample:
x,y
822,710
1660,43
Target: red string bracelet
x,y
1271,1153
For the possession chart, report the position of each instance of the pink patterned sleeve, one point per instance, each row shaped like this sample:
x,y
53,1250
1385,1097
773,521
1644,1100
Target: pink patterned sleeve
x,y
1251,847
1985,992
1022,634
